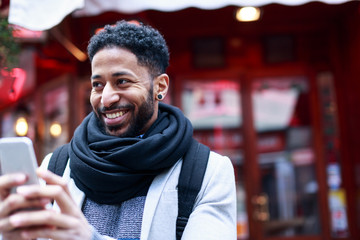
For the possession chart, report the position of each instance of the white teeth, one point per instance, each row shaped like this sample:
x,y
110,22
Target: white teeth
x,y
114,115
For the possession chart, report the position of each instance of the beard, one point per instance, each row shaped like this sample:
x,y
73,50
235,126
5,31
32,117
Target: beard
x,y
138,123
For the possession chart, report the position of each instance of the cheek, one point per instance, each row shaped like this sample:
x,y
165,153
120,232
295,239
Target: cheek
x,y
137,97
95,100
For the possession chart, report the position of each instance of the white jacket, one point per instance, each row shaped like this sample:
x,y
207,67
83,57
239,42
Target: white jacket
x,y
214,213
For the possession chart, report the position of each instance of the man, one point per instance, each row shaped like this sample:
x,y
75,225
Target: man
x,y
124,159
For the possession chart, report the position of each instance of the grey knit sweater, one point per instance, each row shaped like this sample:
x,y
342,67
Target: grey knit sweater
x,y
117,221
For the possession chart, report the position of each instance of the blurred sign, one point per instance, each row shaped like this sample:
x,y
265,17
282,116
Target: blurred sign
x,y
271,142
334,176
18,82
12,84
339,223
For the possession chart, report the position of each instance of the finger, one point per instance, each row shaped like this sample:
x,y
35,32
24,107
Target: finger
x,y
17,205
16,202
19,233
9,181
79,231
55,192
13,235
52,179
12,179
38,232
6,225
42,219
44,233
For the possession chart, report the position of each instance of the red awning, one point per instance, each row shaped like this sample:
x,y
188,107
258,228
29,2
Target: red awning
x,y
45,14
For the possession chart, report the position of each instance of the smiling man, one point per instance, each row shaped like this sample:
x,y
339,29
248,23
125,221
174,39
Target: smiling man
x,y
122,95
125,158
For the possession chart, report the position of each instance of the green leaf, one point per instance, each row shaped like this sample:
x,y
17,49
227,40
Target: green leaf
x,y
9,47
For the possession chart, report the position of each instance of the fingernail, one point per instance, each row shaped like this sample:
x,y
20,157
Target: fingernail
x,y
20,177
15,220
41,172
22,190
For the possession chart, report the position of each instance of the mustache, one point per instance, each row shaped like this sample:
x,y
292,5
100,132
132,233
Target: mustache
x,y
111,108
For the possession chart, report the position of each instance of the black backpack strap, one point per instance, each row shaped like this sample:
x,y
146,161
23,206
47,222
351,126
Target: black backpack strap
x,y
59,160
191,176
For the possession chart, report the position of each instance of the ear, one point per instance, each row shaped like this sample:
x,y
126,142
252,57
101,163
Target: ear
x,y
161,86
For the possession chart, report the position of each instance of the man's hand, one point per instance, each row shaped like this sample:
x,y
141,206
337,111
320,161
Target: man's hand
x,y
11,203
69,223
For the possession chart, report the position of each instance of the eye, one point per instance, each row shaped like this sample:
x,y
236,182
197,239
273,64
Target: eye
x,y
97,85
122,81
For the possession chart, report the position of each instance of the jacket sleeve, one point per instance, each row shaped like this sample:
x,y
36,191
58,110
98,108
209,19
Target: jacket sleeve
x,y
214,214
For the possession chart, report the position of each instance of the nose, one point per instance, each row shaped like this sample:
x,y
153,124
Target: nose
x,y
109,96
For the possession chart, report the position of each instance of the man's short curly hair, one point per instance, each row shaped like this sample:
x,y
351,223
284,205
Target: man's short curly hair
x,y
145,42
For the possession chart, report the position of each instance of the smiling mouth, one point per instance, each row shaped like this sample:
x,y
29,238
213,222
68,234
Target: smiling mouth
x,y
115,114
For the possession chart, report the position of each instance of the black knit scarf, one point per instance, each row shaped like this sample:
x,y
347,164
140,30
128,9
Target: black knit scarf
x,y
111,169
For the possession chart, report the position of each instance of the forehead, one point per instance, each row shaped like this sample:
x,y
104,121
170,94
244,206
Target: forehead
x,y
115,59
114,53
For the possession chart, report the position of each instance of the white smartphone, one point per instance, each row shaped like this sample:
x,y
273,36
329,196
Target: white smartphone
x,y
17,155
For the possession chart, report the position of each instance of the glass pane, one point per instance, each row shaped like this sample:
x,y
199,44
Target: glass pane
x,y
214,109
212,104
56,115
285,154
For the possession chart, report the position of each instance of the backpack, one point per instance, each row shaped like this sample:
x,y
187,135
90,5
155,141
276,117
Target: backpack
x,y
190,178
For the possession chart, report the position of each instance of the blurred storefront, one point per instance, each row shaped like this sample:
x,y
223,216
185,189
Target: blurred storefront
x,y
279,96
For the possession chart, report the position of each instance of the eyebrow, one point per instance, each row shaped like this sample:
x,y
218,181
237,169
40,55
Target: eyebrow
x,y
116,74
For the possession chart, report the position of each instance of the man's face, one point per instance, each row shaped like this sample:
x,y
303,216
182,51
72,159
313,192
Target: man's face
x,y
122,93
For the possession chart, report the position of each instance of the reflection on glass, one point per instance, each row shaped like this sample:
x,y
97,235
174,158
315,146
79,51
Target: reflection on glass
x,y
214,108
212,103
286,157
